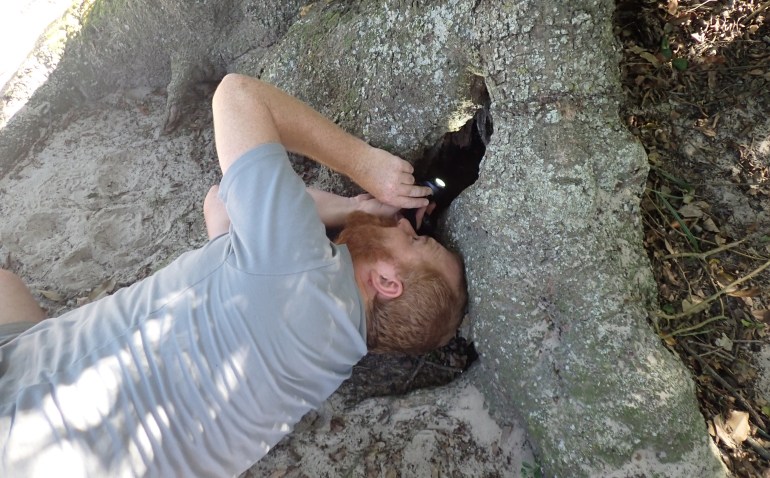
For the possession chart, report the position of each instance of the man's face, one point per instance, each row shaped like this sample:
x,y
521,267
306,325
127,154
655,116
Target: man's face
x,y
372,239
410,248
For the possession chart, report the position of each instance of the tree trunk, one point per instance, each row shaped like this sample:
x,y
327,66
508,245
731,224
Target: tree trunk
x,y
559,284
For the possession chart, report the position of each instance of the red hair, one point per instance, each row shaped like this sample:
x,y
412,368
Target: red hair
x,y
426,314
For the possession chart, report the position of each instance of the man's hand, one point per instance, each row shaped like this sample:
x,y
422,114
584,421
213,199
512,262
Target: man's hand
x,y
389,179
334,210
371,205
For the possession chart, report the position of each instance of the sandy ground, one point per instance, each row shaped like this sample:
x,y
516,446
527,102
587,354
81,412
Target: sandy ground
x,y
103,198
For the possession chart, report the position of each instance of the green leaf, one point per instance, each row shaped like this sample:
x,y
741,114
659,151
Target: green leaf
x,y
766,410
665,49
679,63
686,230
679,182
752,325
669,309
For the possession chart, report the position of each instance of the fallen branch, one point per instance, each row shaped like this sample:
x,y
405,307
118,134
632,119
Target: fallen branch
x,y
759,449
700,307
704,255
694,327
758,10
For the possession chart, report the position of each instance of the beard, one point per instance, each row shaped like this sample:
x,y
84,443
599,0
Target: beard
x,y
364,238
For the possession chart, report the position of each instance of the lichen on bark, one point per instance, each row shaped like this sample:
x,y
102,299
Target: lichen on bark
x,y
559,286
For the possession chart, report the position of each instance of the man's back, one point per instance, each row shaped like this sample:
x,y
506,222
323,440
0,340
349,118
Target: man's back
x,y
201,368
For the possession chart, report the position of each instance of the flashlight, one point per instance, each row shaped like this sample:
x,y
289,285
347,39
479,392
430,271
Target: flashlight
x,y
438,186
438,196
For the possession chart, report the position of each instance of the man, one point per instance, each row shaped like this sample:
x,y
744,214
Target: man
x,y
202,367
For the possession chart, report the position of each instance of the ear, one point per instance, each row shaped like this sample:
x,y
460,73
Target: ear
x,y
385,281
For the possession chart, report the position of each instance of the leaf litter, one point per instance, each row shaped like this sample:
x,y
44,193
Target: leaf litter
x,y
696,81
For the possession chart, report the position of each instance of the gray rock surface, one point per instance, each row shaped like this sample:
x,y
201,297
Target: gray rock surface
x,y
559,285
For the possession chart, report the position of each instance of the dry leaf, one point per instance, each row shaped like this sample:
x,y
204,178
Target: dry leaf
x,y
738,426
673,5
645,54
670,275
51,295
748,301
734,430
724,342
303,11
744,372
710,225
722,277
691,210
712,80
688,304
762,315
102,290
668,247
751,292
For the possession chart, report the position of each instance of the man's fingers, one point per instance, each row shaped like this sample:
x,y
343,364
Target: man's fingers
x,y
417,192
407,178
419,215
411,203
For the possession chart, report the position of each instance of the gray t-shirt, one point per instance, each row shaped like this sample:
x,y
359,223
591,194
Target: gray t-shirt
x,y
201,368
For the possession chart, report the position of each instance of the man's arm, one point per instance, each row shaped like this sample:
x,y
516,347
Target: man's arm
x,y
332,209
249,112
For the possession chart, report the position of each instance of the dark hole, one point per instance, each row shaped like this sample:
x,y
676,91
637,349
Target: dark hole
x,y
452,164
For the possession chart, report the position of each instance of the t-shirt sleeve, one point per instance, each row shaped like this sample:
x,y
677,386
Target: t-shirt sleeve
x,y
274,225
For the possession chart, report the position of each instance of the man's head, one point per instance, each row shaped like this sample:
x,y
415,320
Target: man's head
x,y
413,286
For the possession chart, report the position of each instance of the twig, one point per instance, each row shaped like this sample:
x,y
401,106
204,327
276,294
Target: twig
x,y
703,255
700,307
759,449
686,230
694,327
758,10
707,368
690,10
417,369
